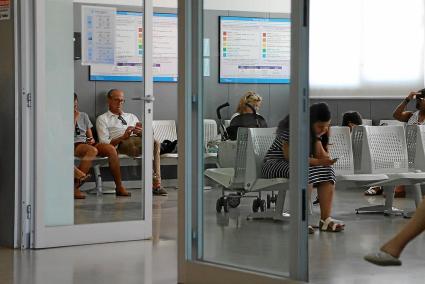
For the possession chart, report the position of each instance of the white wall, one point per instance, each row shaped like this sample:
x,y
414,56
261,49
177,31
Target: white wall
x,y
271,6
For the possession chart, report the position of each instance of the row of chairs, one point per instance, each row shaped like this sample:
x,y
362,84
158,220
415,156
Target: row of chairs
x,y
380,156
167,130
366,121
371,156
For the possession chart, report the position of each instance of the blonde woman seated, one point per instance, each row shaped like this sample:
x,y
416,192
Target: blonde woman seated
x,y
251,98
246,114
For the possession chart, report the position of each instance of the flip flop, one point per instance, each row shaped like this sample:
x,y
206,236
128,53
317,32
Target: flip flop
x,y
78,182
382,259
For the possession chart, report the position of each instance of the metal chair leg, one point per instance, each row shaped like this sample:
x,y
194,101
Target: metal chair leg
x,y
98,180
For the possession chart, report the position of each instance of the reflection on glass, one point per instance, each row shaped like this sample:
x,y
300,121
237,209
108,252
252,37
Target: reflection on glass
x,y
246,95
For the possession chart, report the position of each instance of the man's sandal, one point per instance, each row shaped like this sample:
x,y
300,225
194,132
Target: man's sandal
x,y
330,225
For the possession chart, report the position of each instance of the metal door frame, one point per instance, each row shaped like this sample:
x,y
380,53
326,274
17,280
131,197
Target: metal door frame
x,y
33,230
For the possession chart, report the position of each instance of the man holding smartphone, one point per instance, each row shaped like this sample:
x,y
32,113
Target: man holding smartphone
x,y
123,131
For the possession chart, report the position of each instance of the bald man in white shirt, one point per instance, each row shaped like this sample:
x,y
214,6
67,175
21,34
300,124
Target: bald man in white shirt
x,y
123,131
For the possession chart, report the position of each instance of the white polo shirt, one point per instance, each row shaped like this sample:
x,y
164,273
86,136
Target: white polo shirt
x,y
110,127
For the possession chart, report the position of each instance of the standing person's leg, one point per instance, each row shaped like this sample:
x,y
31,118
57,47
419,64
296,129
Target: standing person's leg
x,y
390,252
413,228
107,150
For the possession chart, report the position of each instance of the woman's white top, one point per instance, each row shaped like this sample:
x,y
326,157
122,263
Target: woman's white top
x,y
414,119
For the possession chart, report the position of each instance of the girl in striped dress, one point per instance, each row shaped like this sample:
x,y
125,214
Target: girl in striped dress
x,y
320,172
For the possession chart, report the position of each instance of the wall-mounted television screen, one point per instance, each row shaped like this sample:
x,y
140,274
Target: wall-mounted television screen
x,y
255,50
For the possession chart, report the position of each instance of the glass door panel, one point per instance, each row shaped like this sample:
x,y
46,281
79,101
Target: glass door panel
x,y
93,108
242,214
249,71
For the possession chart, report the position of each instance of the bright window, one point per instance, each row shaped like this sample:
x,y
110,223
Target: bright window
x,y
366,48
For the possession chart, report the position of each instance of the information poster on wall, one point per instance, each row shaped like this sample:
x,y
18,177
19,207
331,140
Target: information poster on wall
x,y
129,50
98,35
255,50
165,46
4,10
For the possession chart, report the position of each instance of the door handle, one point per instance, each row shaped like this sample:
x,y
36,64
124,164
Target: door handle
x,y
148,99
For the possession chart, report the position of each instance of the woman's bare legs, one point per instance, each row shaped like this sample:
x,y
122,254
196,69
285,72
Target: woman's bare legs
x,y
107,150
87,154
325,191
78,174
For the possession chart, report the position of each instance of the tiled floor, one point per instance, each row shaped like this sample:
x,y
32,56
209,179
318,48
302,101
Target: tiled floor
x,y
334,258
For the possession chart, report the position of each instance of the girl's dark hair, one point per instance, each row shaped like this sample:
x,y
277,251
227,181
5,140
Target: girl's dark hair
x,y
352,117
319,112
75,97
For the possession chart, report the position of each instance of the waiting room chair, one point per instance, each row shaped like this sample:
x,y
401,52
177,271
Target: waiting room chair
x,y
259,142
383,150
340,147
232,178
387,122
210,135
166,130
367,122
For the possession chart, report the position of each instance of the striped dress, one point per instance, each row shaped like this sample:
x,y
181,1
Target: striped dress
x,y
276,166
